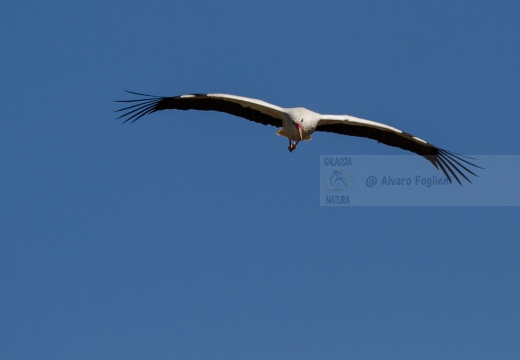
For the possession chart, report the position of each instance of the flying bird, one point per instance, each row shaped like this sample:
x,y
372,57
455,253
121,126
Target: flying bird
x,y
298,124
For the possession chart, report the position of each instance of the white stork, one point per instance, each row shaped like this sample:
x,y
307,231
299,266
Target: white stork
x,y
298,124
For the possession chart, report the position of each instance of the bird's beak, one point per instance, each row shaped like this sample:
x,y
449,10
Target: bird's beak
x,y
300,130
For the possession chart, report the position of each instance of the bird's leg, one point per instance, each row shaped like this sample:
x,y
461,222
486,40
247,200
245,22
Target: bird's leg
x,y
292,146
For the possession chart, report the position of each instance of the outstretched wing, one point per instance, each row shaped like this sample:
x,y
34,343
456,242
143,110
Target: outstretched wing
x,y
450,163
251,109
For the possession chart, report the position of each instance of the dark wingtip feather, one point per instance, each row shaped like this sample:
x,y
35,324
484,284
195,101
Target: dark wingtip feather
x,y
140,94
142,107
454,164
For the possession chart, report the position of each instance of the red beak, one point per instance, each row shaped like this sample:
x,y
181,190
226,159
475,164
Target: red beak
x,y
300,130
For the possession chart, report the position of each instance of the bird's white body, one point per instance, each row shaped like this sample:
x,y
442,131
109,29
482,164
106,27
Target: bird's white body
x,y
298,124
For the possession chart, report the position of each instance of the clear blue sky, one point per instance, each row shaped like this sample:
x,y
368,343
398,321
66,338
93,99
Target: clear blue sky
x,y
197,235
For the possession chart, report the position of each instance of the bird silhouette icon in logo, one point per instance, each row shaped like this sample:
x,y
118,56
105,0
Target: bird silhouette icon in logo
x,y
337,181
